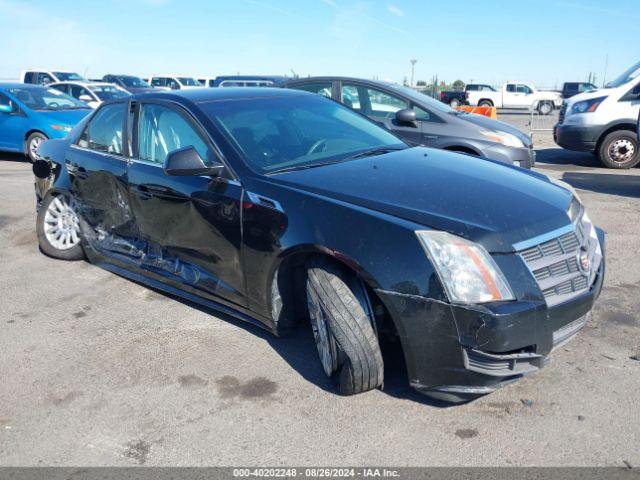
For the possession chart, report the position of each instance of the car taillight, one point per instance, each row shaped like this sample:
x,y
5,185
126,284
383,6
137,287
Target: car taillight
x,y
441,95
466,95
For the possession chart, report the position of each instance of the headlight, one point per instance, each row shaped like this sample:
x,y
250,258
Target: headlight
x,y
466,269
587,106
503,137
62,128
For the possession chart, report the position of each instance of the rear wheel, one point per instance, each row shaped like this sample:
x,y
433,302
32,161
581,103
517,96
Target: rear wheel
x,y
485,103
58,228
619,149
341,320
31,145
545,108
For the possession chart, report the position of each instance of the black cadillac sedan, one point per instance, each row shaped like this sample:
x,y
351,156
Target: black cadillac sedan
x,y
280,206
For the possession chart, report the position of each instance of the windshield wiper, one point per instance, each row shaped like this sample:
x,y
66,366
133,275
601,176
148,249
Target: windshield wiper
x,y
303,167
377,151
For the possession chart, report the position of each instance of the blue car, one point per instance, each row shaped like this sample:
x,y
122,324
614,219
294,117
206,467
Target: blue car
x,y
30,114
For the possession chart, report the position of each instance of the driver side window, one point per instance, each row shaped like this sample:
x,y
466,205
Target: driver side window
x,y
104,131
162,130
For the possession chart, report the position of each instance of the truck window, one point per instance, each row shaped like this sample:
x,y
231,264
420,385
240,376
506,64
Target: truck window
x,y
511,88
523,89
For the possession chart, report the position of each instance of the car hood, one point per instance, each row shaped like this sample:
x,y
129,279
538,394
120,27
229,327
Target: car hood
x,y
135,90
481,200
65,117
601,92
495,125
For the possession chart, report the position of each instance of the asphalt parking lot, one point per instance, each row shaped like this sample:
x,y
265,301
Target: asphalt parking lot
x,y
97,370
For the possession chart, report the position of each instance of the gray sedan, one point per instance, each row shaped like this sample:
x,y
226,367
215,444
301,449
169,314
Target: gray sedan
x,y
421,120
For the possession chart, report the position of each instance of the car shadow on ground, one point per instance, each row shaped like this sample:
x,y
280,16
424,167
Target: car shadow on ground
x,y
14,157
550,157
610,184
298,349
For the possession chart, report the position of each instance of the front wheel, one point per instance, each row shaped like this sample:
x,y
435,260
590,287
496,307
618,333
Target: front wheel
x,y
32,144
341,320
619,150
454,103
58,228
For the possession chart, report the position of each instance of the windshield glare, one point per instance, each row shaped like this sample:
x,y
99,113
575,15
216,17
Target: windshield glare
x,y
134,82
287,132
626,77
68,76
46,99
422,98
108,92
189,82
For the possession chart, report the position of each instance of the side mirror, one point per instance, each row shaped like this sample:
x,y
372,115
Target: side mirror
x,y
4,108
85,98
406,116
187,161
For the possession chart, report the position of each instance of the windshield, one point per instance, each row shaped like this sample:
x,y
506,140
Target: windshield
x,y
134,82
189,82
108,92
46,99
68,76
292,132
626,77
421,98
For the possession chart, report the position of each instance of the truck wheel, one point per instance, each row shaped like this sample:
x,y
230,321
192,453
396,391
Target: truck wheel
x,y
545,108
342,327
485,103
58,228
619,149
32,144
454,103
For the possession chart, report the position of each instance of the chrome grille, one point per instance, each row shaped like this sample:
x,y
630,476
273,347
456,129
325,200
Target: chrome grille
x,y
563,112
556,263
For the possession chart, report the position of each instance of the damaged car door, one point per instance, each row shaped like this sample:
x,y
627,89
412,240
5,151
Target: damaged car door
x,y
97,166
189,223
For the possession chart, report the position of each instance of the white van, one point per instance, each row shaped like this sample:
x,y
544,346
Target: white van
x,y
604,121
174,82
45,77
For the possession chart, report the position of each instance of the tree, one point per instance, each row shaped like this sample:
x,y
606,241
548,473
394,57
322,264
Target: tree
x,y
421,83
458,85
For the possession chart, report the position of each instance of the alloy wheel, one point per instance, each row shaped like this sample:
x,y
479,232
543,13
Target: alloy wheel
x,y
323,339
33,146
61,225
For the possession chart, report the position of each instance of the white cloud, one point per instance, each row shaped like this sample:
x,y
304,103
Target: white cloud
x,y
395,11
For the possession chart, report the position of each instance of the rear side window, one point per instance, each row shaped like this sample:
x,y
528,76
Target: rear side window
x,y
30,77
321,88
162,130
104,131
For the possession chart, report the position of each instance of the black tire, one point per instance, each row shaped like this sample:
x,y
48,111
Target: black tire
x,y
619,149
454,103
342,301
74,252
31,142
545,108
485,103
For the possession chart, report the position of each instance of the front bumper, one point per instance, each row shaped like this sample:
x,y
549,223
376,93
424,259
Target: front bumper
x,y
521,157
457,352
580,138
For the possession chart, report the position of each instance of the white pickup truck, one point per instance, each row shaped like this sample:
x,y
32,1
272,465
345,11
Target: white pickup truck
x,y
517,95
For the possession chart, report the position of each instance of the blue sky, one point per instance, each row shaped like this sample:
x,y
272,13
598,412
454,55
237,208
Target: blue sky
x,y
541,41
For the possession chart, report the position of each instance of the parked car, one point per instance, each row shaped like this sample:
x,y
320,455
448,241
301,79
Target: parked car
x,y
421,120
91,93
174,82
130,83
604,121
459,97
207,81
30,114
45,77
569,89
247,81
519,96
276,205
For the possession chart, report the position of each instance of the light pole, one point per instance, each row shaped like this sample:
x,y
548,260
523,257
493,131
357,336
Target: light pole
x,y
413,67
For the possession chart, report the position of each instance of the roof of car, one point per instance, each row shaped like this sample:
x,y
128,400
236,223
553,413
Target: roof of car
x,y
202,95
82,83
20,85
